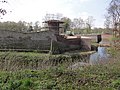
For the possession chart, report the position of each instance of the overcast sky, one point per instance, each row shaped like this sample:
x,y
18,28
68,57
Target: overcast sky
x,y
35,10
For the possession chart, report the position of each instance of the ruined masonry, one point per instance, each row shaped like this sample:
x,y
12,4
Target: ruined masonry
x,y
42,40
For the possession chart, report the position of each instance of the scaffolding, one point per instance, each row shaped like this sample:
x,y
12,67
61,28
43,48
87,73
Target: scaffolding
x,y
53,25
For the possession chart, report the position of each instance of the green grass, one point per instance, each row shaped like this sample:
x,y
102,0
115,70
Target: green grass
x,y
96,77
30,60
101,77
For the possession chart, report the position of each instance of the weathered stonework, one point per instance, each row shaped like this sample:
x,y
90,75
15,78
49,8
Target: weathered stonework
x,y
42,41
18,40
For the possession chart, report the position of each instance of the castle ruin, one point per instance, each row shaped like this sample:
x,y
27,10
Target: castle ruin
x,y
42,40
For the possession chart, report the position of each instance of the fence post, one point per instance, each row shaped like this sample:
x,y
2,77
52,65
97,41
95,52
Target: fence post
x,y
51,47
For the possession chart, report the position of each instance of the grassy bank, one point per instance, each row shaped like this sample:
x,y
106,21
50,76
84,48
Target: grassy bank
x,y
97,77
100,77
36,61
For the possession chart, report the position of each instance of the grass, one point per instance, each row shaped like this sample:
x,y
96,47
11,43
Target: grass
x,y
101,77
36,61
97,77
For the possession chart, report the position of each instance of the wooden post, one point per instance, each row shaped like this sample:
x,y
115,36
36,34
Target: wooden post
x,y
51,47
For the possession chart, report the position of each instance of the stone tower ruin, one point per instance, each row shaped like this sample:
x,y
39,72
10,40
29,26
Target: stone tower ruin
x,y
54,25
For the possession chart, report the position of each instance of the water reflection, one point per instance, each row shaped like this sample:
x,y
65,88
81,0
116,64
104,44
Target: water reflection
x,y
100,56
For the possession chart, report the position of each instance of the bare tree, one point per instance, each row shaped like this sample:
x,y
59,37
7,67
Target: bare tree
x,y
2,10
78,23
67,23
89,23
114,13
107,22
37,26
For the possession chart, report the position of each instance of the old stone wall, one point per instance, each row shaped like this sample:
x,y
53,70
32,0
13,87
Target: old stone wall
x,y
33,40
85,44
76,42
70,41
43,35
41,41
94,38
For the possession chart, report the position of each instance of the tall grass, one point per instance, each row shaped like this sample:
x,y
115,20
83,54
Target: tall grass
x,y
36,61
96,77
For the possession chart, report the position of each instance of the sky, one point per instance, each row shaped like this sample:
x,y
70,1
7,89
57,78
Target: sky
x,y
35,10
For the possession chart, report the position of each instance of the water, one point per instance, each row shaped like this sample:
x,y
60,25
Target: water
x,y
100,56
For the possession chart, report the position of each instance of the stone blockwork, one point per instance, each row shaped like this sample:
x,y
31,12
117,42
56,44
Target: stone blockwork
x,y
42,41
85,44
75,42
43,35
33,40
